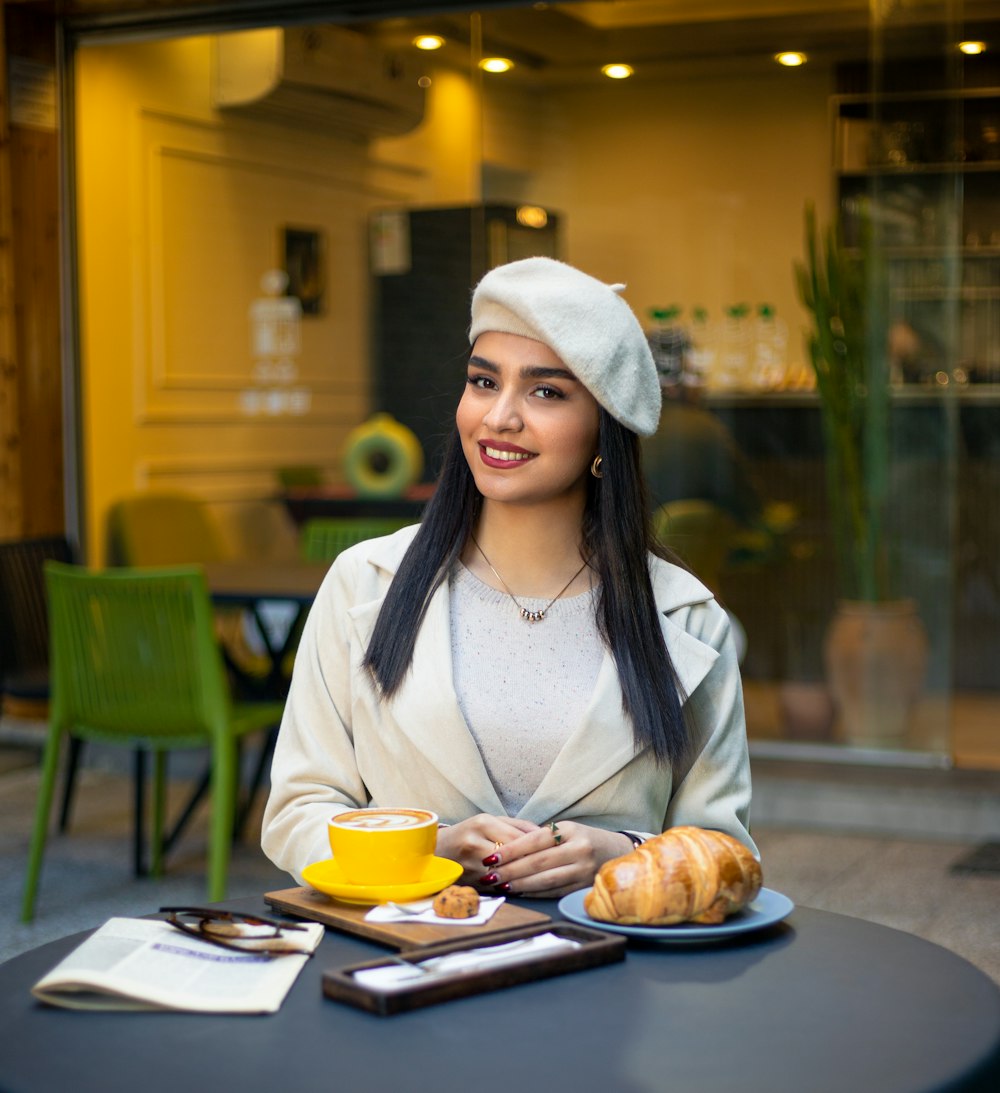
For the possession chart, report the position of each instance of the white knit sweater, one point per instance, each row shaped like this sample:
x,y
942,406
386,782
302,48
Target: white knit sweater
x,y
522,687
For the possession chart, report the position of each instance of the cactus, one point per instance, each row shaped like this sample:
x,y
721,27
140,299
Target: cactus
x,y
844,291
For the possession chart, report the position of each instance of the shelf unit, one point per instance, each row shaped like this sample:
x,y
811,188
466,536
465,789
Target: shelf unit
x,y
926,165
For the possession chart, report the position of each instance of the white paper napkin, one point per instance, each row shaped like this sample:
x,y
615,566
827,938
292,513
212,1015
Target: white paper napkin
x,y
422,911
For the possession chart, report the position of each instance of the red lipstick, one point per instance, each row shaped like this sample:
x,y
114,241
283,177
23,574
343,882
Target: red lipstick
x,y
503,455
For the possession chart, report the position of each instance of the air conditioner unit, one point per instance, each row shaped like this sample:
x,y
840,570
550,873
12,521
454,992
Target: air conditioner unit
x,y
325,78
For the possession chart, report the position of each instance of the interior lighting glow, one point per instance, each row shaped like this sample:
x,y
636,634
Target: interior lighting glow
x,y
428,41
617,71
496,64
972,49
790,59
531,216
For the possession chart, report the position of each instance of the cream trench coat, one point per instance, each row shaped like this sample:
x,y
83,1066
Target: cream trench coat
x,y
341,747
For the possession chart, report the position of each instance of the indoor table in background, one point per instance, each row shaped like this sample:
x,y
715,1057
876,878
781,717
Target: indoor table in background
x,y
817,1004
306,502
251,584
249,581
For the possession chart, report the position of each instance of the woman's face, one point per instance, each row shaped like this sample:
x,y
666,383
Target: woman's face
x,y
529,428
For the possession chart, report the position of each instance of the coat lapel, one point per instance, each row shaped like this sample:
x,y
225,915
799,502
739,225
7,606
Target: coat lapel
x,y
603,742
426,709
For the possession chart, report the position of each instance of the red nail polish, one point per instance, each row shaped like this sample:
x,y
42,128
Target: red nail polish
x,y
490,878
491,859
505,887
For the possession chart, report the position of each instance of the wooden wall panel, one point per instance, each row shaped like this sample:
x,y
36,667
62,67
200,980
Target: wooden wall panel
x,y
31,453
35,195
10,428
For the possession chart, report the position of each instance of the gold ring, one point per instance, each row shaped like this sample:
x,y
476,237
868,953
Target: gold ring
x,y
556,833
497,845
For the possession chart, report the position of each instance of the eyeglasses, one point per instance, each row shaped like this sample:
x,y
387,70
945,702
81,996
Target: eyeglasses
x,y
235,930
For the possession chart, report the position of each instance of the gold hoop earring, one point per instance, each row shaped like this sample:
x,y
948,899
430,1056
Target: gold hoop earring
x,y
595,467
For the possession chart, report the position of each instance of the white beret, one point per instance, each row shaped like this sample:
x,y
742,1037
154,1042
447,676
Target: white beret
x,y
585,323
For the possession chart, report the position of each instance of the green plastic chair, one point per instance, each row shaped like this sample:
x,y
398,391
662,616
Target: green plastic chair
x,y
171,529
134,661
324,537
304,475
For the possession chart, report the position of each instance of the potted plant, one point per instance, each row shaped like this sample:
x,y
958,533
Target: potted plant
x,y
876,648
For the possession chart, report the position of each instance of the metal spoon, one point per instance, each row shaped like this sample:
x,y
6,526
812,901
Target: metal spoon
x,y
413,909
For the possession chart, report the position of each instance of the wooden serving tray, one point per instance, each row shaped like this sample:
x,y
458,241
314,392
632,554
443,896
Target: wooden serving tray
x,y
595,948
309,904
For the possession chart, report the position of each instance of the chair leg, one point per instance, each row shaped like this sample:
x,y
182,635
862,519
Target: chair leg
x,y
39,834
266,751
223,816
69,780
159,808
138,835
193,801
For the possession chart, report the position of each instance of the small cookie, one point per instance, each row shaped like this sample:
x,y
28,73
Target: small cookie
x,y
456,902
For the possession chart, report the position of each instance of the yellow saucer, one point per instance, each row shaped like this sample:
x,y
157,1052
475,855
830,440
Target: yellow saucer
x,y
326,877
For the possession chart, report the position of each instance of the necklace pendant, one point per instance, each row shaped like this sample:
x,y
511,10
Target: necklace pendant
x,y
530,616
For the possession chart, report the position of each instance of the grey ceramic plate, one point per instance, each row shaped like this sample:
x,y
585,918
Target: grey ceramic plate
x,y
768,908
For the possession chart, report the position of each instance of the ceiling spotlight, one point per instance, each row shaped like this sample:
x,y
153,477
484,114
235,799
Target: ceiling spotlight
x,y
617,71
790,59
496,64
972,49
428,41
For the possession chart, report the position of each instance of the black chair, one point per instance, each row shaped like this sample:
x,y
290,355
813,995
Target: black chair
x,y
24,627
24,633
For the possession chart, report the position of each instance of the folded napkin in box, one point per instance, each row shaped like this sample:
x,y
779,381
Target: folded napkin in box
x,y
407,969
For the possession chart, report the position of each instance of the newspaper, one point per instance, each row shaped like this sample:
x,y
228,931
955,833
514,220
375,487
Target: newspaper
x,y
146,964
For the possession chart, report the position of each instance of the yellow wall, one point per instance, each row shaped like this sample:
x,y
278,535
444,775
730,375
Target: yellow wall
x,y
690,190
439,161
180,212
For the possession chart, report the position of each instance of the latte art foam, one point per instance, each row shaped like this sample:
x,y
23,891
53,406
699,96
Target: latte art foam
x,y
379,820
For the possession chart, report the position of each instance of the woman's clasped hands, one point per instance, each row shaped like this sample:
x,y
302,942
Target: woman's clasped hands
x,y
517,857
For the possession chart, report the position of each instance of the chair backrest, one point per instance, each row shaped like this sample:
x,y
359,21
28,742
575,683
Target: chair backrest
x,y
701,532
324,537
134,654
162,529
304,475
24,625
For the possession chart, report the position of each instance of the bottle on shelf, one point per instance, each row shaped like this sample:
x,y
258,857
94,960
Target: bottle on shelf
x,y
702,352
668,341
734,349
770,349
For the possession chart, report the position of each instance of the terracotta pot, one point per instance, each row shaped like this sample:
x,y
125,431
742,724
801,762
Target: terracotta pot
x,y
807,711
876,660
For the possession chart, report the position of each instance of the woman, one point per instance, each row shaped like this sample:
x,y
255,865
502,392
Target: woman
x,y
526,663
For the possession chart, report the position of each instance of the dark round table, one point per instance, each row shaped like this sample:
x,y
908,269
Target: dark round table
x,y
820,1002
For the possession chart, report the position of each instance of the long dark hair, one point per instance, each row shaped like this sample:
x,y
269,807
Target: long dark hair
x,y
617,537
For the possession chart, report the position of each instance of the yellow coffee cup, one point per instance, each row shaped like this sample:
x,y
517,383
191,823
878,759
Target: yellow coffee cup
x,y
381,846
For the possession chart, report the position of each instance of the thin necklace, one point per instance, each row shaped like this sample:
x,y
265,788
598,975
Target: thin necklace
x,y
529,616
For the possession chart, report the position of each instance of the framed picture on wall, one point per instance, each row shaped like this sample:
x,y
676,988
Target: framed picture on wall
x,y
303,252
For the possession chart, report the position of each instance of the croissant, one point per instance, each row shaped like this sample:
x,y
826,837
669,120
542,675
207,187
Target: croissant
x,y
687,874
